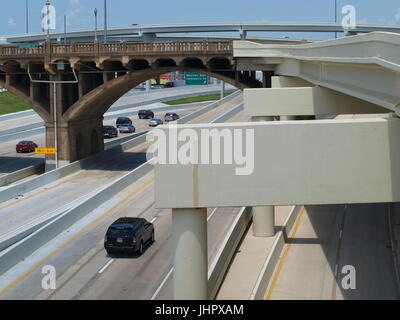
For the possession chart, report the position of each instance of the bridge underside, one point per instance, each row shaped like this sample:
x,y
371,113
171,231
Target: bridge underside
x,y
103,79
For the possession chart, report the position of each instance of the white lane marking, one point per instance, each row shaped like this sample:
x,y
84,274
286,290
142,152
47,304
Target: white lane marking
x,y
211,214
162,284
106,266
341,234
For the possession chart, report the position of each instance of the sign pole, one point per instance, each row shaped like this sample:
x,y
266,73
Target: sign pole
x,y
55,122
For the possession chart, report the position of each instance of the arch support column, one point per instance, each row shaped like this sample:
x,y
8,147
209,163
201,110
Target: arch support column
x,y
76,140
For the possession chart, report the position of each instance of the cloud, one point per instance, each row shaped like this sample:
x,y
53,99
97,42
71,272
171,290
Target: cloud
x,y
11,22
397,15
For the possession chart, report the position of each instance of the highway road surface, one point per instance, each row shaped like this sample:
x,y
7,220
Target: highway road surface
x,y
10,161
80,260
329,238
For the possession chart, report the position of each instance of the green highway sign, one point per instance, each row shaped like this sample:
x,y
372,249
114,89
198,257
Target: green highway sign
x,y
27,46
193,78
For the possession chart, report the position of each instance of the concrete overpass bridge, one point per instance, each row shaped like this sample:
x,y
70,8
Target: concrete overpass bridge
x,y
105,71
317,162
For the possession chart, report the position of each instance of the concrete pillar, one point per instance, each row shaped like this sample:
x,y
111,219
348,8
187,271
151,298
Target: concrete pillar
x,y
76,140
264,221
263,217
189,239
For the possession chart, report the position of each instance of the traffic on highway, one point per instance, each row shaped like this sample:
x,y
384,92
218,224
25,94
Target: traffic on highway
x,y
202,170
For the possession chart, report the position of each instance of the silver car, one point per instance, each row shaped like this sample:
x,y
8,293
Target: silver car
x,y
155,122
126,128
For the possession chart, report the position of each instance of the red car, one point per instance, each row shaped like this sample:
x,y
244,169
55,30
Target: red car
x,y
26,146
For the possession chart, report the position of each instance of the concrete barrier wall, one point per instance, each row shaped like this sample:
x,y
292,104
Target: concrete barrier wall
x,y
36,128
54,175
16,115
21,129
227,251
19,251
273,257
230,114
9,239
16,252
157,109
21,174
21,135
208,108
174,97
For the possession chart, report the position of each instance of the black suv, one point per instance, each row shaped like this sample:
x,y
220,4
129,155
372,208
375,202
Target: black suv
x,y
146,114
128,235
110,132
123,120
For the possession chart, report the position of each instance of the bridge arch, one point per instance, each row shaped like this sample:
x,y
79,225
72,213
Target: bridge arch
x,y
96,102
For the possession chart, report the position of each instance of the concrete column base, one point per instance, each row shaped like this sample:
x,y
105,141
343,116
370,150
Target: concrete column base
x,y
51,164
189,239
76,139
264,221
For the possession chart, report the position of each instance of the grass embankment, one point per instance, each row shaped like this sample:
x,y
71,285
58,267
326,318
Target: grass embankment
x,y
202,98
9,103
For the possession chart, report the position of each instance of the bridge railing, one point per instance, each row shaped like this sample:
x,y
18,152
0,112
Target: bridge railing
x,y
94,49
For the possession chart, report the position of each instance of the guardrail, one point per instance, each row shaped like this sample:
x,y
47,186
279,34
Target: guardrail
x,y
119,145
21,174
269,265
122,48
226,252
19,251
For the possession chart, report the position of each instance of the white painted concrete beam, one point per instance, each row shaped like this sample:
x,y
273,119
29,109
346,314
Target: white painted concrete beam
x,y
288,82
295,162
303,102
364,66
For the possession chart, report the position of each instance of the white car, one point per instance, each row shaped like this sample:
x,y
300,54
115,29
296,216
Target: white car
x,y
155,122
126,128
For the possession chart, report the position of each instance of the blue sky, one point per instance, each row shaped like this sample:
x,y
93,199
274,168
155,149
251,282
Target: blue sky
x,y
126,12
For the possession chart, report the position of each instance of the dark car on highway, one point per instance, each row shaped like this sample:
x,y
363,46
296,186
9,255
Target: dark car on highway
x,y
146,114
123,121
171,116
26,146
129,235
110,132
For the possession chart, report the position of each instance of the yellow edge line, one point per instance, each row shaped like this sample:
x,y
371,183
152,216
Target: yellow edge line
x,y
282,259
146,184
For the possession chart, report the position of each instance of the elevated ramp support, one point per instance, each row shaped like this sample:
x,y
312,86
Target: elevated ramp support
x,y
295,162
304,101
